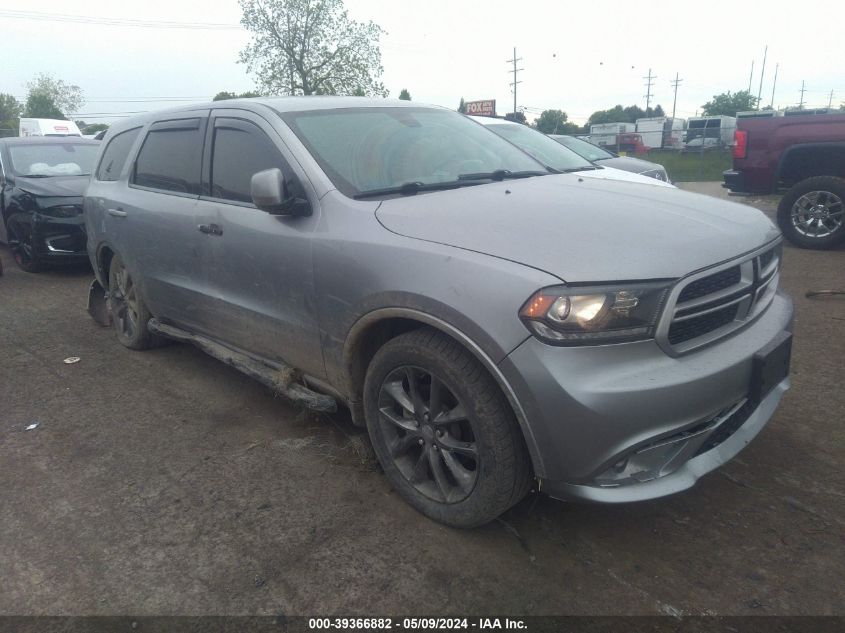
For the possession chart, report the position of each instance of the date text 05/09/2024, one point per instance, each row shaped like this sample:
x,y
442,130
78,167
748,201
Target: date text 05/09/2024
x,y
414,624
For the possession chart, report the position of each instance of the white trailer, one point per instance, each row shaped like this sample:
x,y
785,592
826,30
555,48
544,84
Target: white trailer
x,y
48,127
661,131
719,127
604,134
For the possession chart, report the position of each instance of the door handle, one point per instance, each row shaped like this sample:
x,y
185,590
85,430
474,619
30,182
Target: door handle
x,y
210,229
118,213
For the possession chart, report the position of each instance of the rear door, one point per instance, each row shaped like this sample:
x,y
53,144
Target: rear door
x,y
162,247
259,265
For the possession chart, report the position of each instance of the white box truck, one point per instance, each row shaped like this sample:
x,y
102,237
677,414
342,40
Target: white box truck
x,y
711,127
48,127
662,131
604,134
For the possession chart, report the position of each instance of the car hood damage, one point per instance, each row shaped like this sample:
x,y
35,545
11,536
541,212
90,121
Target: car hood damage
x,y
58,186
583,230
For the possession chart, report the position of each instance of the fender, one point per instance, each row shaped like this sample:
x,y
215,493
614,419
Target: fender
x,y
803,146
447,328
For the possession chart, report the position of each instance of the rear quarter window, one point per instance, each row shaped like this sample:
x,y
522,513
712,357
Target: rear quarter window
x,y
115,156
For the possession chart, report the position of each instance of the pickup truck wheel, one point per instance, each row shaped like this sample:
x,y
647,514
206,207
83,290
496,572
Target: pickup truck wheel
x,y
812,213
129,314
443,432
20,243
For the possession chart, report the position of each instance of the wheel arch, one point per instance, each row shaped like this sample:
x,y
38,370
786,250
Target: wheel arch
x,y
375,328
105,252
794,154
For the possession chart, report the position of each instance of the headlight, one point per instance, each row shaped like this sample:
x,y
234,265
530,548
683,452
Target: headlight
x,y
659,174
62,211
565,315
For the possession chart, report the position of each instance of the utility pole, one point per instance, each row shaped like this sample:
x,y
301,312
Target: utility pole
x,y
762,72
675,83
830,101
648,85
803,90
514,82
774,83
751,76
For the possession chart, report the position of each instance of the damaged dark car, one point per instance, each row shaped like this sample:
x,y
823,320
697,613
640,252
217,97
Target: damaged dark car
x,y
41,185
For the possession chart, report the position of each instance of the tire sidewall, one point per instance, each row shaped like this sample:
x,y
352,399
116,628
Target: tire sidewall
x,y
479,506
830,184
35,264
141,338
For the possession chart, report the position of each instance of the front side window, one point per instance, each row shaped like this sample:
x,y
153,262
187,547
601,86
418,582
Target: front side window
x,y
115,155
240,150
171,157
42,160
371,149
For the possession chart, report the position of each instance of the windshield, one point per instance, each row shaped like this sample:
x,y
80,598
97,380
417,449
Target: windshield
x,y
61,159
541,147
373,149
583,148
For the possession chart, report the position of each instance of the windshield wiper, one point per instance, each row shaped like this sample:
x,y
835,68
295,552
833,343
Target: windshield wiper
x,y
584,168
36,176
502,174
412,188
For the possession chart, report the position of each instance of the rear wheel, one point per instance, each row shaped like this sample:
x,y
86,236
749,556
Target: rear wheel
x,y
22,246
443,432
812,213
129,314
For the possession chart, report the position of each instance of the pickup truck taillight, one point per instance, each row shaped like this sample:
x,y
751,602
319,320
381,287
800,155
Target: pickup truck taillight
x,y
740,143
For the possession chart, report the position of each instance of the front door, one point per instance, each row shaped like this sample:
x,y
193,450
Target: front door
x,y
259,271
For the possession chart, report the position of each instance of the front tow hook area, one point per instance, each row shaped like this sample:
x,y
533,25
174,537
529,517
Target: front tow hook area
x,y
98,304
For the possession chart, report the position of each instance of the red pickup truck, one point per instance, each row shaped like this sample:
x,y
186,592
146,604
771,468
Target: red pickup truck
x,y
804,155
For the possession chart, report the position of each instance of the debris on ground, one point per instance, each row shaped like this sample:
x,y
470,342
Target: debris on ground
x,y
70,360
824,293
32,426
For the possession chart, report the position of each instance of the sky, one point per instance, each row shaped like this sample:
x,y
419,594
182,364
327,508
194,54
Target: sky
x,y
577,57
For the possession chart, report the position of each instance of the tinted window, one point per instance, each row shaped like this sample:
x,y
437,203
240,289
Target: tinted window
x,y
540,146
114,158
236,156
170,159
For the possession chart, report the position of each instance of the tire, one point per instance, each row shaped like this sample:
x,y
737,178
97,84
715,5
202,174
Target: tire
x,y
812,213
127,309
451,445
19,236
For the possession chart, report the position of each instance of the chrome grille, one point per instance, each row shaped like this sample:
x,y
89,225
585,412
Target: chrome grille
x,y
712,303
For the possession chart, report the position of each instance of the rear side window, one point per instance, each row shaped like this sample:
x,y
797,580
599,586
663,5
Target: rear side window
x,y
117,151
171,157
240,150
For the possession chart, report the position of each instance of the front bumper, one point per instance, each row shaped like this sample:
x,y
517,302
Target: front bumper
x,y
59,239
589,409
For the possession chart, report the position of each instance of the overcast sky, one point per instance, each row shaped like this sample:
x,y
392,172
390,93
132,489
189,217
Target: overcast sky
x,y
579,57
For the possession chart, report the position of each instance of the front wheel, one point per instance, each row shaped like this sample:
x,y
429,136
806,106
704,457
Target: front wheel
x,y
22,245
444,434
812,213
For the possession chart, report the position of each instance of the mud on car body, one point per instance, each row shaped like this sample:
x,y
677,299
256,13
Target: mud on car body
x,y
42,180
490,322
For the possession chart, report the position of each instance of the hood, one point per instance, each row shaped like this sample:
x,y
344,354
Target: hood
x,y
581,229
612,173
53,186
628,163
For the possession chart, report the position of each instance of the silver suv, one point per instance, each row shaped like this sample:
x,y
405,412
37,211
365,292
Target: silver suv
x,y
492,322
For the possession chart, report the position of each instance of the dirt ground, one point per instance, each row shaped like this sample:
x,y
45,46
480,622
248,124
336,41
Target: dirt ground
x,y
164,482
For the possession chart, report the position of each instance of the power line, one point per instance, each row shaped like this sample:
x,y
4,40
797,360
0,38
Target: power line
x,y
90,19
514,82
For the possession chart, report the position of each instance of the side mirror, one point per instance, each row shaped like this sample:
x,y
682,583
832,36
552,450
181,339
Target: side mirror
x,y
277,196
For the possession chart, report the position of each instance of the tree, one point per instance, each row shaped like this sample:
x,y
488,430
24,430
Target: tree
x,y
462,106
311,47
615,115
405,95
65,97
40,105
519,117
10,112
91,128
658,111
224,96
551,121
729,104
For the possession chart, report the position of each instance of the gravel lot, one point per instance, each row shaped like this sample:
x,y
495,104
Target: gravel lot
x,y
164,482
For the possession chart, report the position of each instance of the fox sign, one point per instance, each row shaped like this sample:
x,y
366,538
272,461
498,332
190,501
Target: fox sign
x,y
481,108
